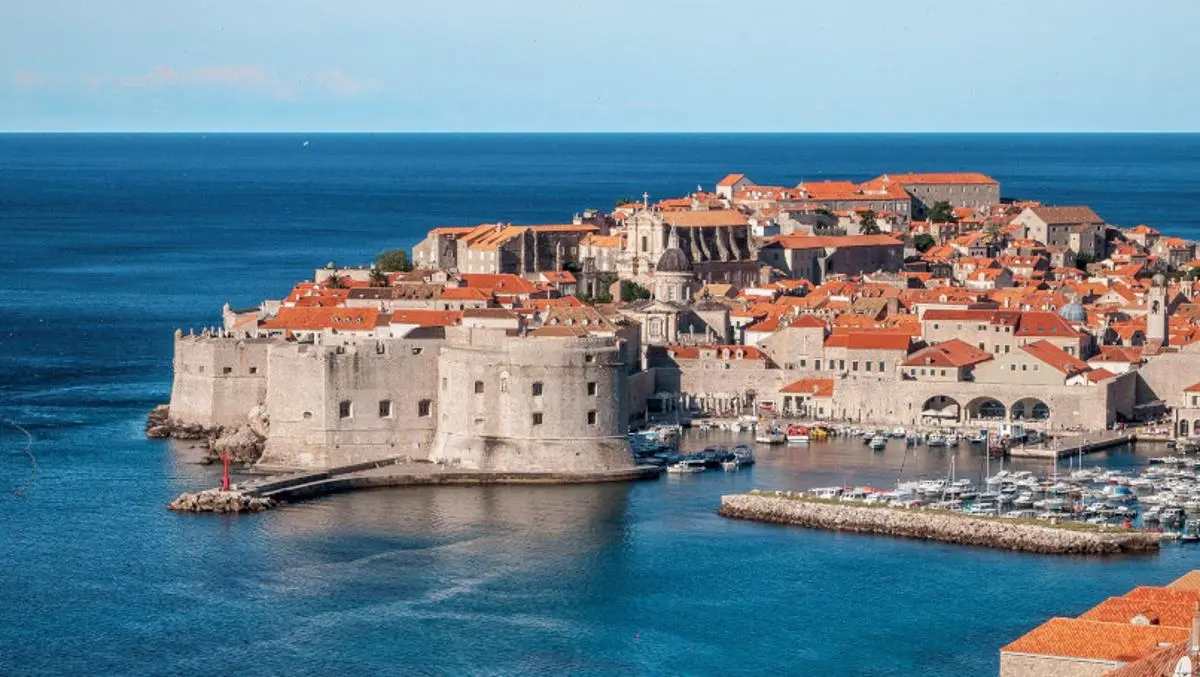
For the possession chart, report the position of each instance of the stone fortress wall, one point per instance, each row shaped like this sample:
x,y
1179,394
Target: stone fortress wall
x,y
342,400
533,404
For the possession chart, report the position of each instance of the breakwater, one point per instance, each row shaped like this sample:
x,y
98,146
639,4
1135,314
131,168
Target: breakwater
x,y
936,525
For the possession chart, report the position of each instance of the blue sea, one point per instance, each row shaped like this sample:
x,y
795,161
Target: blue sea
x,y
109,242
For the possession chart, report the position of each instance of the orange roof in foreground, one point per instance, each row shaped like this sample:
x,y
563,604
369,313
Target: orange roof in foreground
x,y
1190,580
822,241
1056,357
1123,610
1077,638
817,387
313,318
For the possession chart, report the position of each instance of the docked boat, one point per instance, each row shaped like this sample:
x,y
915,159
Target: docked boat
x,y
771,436
797,434
878,443
935,440
743,455
687,466
952,439
899,433
977,438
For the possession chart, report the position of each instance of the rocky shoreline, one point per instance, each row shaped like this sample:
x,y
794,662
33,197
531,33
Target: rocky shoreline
x,y
217,501
243,443
799,510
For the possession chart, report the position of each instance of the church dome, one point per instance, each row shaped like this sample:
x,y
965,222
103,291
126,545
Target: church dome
x,y
673,260
1073,312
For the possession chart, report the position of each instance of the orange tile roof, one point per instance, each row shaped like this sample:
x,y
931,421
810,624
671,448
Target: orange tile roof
x,y
1190,580
463,294
693,352
1044,323
1066,215
316,318
817,387
869,340
1075,638
427,318
1124,609
731,179
1168,594
1157,663
949,178
499,284
953,353
706,219
1056,357
823,241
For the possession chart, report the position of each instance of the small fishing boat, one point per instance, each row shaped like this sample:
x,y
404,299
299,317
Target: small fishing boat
x,y
899,433
935,440
877,443
797,434
771,436
977,438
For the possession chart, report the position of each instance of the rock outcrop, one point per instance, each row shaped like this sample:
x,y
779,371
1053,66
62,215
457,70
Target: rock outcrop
x,y
215,500
937,525
243,443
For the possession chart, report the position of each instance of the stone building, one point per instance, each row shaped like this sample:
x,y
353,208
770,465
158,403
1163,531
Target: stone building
x,y
502,248
717,244
961,189
1077,228
814,257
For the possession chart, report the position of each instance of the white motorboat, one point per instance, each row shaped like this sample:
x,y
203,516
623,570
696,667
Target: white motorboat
x,y
878,443
952,439
935,440
900,433
743,456
686,467
772,436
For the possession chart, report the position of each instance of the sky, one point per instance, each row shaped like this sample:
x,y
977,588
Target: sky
x,y
600,65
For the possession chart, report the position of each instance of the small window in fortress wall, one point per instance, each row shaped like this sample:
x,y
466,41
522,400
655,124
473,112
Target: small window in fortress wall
x,y
345,409
253,370
591,388
417,350
589,358
227,370
385,408
478,387
202,369
537,389
424,408
307,415
591,418
537,418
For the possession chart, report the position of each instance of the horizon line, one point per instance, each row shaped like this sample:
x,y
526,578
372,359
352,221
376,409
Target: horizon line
x,y
610,133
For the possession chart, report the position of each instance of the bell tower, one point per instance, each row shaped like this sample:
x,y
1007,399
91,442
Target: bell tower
x,y
1156,312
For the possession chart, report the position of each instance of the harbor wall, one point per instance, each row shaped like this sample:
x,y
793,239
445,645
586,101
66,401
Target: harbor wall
x,y
935,525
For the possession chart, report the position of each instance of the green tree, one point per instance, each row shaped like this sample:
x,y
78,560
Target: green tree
x,y
393,261
924,242
1082,261
632,291
994,232
378,278
941,212
867,225
334,281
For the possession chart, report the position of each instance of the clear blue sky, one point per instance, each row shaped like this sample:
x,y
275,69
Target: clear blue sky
x,y
600,65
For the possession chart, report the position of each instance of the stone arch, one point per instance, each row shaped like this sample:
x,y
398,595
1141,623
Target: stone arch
x,y
986,408
1029,409
942,407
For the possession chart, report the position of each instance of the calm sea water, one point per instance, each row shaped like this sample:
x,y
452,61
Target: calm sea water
x,y
107,243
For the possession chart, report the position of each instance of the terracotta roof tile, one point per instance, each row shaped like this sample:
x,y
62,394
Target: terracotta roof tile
x,y
1076,638
817,387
